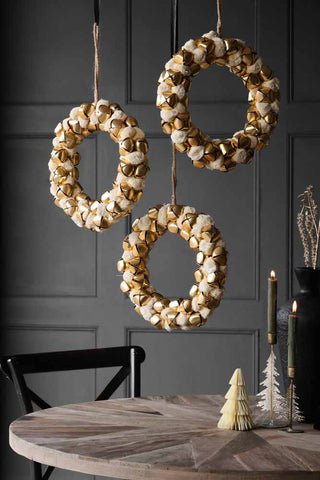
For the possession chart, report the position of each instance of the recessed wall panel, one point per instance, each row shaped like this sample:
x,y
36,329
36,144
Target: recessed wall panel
x,y
305,171
52,47
195,363
304,53
46,254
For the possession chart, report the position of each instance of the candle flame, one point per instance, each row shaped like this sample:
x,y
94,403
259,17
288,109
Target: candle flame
x,y
273,274
294,307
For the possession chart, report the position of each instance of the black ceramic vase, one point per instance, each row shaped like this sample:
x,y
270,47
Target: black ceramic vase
x,y
307,379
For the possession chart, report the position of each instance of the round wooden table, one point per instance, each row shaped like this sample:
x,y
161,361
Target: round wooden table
x,y
162,438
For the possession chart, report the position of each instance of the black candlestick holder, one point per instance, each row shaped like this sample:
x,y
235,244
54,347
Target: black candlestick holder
x,y
290,428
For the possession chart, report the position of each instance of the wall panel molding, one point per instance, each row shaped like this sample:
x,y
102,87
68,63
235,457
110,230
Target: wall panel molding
x,y
291,214
253,334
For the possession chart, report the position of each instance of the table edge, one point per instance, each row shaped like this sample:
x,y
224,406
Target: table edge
x,y
118,469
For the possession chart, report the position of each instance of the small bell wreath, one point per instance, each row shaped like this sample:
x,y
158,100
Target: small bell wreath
x,y
99,214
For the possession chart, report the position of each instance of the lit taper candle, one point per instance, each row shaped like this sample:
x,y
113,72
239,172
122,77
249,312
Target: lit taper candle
x,y
272,308
292,329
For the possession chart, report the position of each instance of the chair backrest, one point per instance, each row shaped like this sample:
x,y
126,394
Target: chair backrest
x,y
15,367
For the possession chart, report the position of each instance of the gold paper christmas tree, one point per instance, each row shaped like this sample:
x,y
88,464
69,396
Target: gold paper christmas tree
x,y
236,414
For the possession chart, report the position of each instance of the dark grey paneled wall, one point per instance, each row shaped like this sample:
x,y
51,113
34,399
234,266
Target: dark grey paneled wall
x,y
62,287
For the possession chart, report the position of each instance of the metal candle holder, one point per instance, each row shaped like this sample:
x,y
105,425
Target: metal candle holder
x,y
290,429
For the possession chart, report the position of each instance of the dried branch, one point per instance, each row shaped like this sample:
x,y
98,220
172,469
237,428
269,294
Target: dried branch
x,y
304,239
309,227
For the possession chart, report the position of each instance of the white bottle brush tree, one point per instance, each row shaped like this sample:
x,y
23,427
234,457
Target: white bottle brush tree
x,y
296,414
236,414
271,400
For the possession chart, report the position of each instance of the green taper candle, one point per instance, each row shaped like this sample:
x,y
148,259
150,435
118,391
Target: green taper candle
x,y
272,307
292,329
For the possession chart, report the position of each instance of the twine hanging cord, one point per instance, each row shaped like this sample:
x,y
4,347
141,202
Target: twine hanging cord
x,y
219,20
174,175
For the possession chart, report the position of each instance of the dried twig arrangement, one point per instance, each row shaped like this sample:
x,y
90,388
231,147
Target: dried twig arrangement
x,y
309,227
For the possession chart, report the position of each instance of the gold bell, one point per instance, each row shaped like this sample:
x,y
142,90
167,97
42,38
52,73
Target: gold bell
x,y
140,249
86,109
126,146
205,44
148,237
167,100
141,146
75,159
166,127
64,190
265,72
153,212
185,305
70,207
101,222
194,243
219,255
184,234
155,320
59,156
183,57
114,106
189,221
195,319
198,275
173,212
121,265
173,227
232,45
200,258
127,191
127,169
182,121
193,290
124,287
171,77
252,114
114,208
211,152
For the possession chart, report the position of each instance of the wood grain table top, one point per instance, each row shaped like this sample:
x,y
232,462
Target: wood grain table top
x,y
163,438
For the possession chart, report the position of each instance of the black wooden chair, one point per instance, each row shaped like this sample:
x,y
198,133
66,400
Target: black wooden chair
x,y
15,367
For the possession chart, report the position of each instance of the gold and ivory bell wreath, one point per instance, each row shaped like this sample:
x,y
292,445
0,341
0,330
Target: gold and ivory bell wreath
x,y
98,215
204,238
172,99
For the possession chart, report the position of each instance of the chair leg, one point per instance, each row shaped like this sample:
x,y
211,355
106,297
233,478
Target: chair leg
x,y
35,470
135,375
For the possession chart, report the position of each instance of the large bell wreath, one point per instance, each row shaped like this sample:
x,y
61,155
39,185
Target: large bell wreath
x,y
175,83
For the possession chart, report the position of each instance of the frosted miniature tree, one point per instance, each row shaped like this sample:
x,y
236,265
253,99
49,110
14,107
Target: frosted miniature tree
x,y
296,414
236,414
271,399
